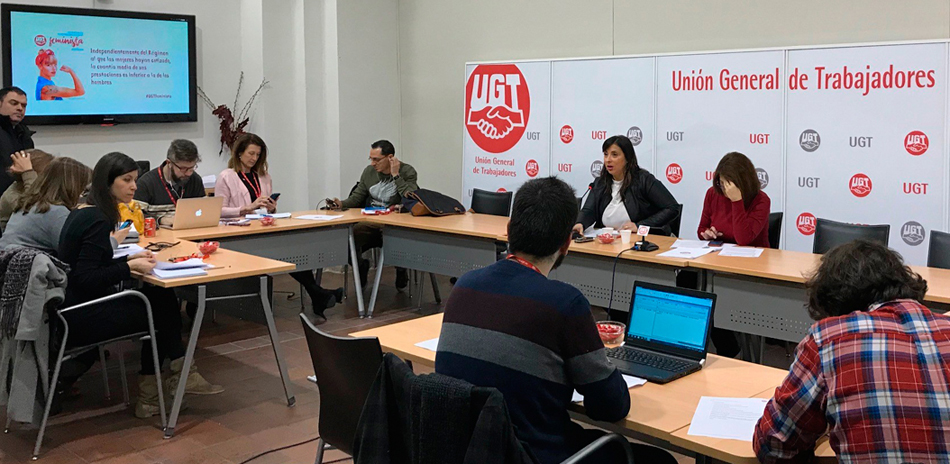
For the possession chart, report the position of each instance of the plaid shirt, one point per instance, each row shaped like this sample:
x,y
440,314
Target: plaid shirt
x,y
878,381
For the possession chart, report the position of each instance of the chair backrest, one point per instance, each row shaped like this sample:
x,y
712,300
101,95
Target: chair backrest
x,y
829,234
144,166
775,229
346,369
494,203
674,225
939,253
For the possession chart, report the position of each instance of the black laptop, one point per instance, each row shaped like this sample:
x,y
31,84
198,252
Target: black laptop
x,y
666,332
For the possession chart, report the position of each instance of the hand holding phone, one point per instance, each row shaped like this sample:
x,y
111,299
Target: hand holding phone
x,y
274,196
125,225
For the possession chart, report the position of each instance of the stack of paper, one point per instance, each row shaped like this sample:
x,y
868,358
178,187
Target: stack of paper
x,y
681,243
630,380
687,253
318,217
275,216
126,250
732,418
741,252
188,268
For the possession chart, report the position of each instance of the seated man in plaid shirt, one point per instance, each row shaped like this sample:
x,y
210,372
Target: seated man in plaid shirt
x,y
874,371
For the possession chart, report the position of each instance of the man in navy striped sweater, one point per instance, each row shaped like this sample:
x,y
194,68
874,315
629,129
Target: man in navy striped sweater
x,y
510,327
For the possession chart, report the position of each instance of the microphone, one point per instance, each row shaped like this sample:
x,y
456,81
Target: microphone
x,y
581,201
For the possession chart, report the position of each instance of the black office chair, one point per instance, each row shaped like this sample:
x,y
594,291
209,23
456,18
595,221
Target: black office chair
x,y
144,166
775,229
346,369
494,203
939,253
829,234
674,225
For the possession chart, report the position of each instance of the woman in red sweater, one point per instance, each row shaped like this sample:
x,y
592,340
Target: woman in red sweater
x,y
736,210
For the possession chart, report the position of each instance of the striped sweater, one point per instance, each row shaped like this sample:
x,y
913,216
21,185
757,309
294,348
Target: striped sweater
x,y
509,327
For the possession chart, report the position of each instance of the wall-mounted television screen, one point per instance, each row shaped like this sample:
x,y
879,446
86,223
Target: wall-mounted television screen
x,y
84,66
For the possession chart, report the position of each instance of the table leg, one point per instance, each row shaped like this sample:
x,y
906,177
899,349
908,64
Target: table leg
x,y
358,287
275,342
186,367
379,274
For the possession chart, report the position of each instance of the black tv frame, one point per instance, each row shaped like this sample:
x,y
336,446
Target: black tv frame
x,y
191,116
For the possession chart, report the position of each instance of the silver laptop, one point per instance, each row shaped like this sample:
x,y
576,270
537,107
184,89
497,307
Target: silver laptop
x,y
666,332
192,213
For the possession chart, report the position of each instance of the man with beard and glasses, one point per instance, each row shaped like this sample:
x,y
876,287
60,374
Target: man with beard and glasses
x,y
510,327
160,189
14,135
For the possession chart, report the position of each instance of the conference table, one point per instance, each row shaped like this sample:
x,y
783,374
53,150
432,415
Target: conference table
x,y
661,412
227,265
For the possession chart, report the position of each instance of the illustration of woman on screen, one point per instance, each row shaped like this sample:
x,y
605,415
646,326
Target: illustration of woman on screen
x,y
46,89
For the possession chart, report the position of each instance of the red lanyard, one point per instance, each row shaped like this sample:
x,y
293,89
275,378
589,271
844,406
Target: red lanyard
x,y
524,263
165,184
255,188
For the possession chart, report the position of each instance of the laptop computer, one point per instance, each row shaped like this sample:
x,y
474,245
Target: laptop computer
x,y
666,332
192,213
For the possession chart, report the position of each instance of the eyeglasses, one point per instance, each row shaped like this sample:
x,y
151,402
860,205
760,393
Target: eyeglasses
x,y
375,160
159,246
183,169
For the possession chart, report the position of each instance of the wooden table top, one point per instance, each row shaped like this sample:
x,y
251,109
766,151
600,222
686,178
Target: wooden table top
x,y
658,410
280,225
470,224
789,266
228,264
938,283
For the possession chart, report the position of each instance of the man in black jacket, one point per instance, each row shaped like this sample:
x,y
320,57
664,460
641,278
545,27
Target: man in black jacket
x,y
14,135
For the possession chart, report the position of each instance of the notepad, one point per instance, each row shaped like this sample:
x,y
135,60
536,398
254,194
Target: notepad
x,y
630,380
178,273
681,243
732,418
431,345
186,264
741,252
318,217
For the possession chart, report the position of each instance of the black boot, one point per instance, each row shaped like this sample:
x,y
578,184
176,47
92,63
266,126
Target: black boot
x,y
364,271
402,278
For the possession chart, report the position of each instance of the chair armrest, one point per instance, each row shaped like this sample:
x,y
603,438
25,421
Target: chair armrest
x,y
114,296
599,443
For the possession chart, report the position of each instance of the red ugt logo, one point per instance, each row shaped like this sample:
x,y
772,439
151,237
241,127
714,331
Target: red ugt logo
x,y
39,40
497,105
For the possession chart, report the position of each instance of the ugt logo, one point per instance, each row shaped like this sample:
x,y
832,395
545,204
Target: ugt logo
x,y
674,173
497,105
913,233
860,185
916,143
39,40
806,223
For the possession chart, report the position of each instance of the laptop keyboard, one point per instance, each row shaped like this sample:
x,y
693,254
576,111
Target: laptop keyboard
x,y
650,359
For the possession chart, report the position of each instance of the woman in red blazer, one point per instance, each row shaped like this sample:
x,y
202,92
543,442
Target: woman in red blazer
x,y
736,210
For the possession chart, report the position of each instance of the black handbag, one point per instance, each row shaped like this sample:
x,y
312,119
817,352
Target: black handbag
x,y
424,202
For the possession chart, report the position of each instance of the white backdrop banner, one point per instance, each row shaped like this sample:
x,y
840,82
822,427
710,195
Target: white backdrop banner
x,y
507,117
865,142
712,104
593,100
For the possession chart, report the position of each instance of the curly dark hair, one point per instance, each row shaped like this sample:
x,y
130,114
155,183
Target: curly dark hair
x,y
858,274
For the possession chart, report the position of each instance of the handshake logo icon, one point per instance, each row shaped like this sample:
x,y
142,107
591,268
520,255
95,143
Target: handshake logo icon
x,y
497,105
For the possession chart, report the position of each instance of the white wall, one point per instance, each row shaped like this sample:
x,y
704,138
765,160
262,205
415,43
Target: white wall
x,y
437,37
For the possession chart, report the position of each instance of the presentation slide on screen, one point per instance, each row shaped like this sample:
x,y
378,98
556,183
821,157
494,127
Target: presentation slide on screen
x,y
80,65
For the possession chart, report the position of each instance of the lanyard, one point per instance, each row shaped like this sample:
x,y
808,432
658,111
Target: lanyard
x,y
255,188
165,184
524,263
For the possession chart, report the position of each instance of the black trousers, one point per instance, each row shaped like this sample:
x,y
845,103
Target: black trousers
x,y
612,453
318,294
127,315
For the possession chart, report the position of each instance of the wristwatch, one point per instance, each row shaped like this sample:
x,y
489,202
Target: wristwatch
x,y
396,177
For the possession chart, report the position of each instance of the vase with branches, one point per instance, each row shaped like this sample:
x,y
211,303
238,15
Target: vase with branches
x,y
231,125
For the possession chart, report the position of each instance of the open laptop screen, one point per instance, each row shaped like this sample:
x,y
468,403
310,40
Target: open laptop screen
x,y
670,318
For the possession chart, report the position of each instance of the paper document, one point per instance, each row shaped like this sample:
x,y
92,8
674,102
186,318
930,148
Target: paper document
x,y
275,216
176,273
681,243
187,264
630,380
592,233
126,250
686,253
318,217
732,418
430,345
741,252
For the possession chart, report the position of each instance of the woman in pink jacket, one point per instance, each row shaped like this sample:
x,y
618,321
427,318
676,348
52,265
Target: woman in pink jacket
x,y
246,187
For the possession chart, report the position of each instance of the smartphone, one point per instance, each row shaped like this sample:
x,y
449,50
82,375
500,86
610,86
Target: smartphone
x,y
715,243
126,224
583,239
274,196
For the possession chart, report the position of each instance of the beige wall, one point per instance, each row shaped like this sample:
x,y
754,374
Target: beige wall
x,y
436,38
